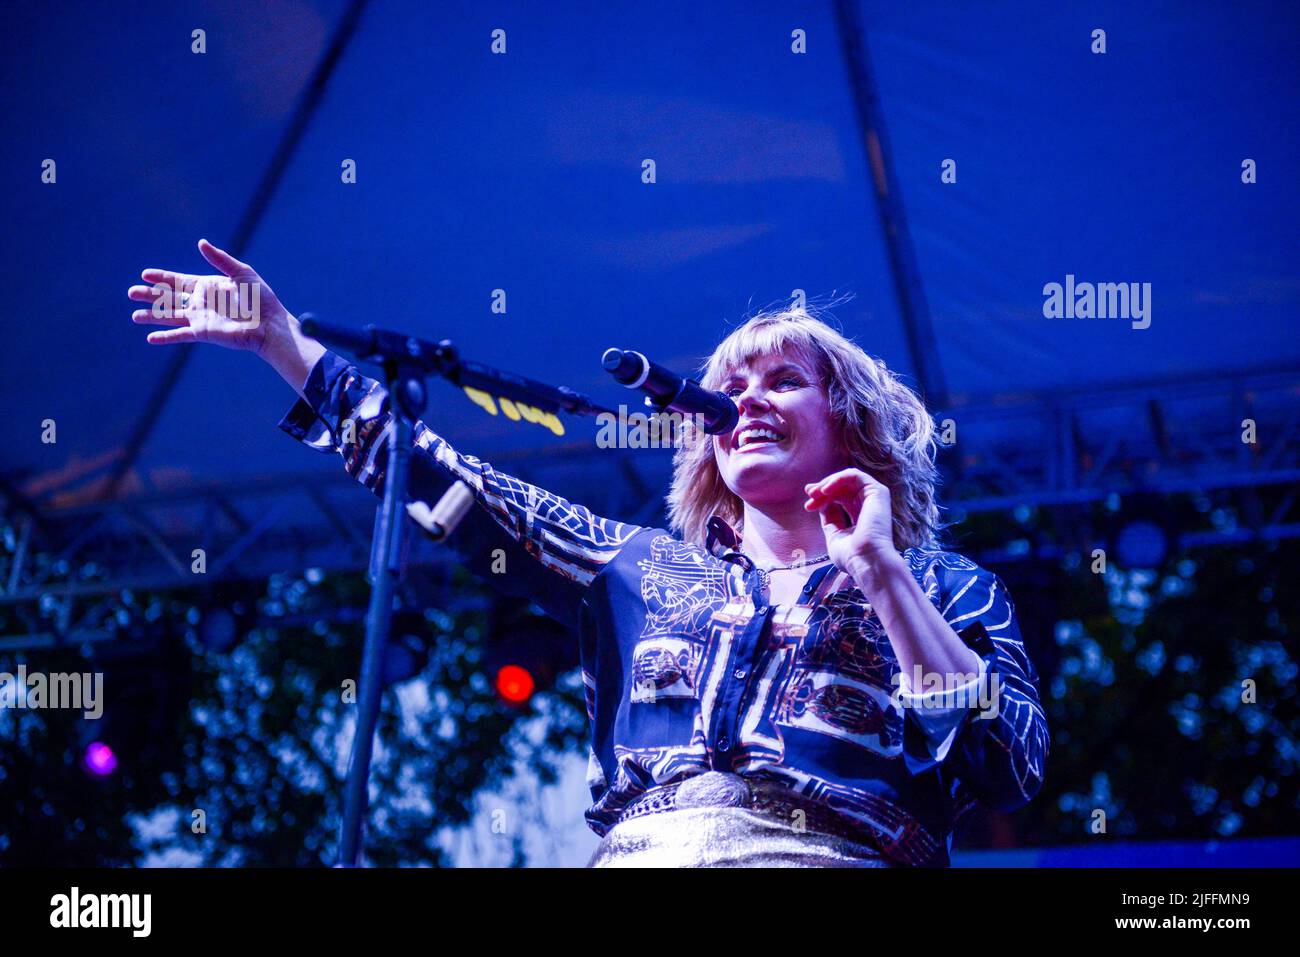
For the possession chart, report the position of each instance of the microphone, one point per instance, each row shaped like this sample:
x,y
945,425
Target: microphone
x,y
669,391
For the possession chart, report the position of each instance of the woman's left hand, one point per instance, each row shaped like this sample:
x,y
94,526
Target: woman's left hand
x,y
857,520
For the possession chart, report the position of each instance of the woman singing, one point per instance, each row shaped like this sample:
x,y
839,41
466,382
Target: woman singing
x,y
794,673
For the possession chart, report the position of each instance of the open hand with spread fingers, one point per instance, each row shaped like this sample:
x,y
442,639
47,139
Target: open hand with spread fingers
x,y
236,309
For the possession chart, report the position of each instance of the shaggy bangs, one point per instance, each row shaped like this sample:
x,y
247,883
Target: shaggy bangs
x,y
884,425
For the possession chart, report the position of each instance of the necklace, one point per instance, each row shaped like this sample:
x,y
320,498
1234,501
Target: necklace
x,y
803,564
765,574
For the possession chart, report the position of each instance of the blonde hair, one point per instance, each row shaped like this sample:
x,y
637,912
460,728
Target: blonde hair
x,y
884,425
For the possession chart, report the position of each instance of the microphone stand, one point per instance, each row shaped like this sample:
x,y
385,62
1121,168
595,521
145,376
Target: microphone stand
x,y
405,361
406,399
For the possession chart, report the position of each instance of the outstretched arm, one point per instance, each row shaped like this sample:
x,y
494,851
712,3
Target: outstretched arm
x,y
525,540
236,309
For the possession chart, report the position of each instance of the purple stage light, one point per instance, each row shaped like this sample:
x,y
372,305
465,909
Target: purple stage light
x,y
100,759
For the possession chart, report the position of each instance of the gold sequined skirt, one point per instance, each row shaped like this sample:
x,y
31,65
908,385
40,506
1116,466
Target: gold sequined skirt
x,y
721,820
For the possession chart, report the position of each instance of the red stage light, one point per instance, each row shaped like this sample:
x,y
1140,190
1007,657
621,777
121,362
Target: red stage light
x,y
515,684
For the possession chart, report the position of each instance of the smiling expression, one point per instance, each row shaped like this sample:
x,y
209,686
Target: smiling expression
x,y
785,438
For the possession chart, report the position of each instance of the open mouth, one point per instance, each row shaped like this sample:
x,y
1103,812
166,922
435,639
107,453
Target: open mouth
x,y
755,436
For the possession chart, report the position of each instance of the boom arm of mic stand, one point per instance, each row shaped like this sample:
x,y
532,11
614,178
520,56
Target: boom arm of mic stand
x,y
382,346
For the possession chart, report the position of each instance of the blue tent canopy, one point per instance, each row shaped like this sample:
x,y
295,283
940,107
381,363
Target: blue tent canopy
x,y
775,171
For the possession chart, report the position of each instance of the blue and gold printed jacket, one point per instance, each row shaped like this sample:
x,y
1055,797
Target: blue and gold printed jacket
x,y
687,668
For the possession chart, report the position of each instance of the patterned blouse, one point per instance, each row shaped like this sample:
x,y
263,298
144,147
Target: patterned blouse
x,y
687,667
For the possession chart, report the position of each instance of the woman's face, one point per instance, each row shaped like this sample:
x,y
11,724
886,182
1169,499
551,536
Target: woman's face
x,y
785,438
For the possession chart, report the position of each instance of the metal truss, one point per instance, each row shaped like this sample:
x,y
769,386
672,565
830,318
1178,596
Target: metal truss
x,y
1169,437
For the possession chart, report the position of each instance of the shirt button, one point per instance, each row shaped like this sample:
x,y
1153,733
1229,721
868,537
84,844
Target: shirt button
x,y
739,673
724,743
